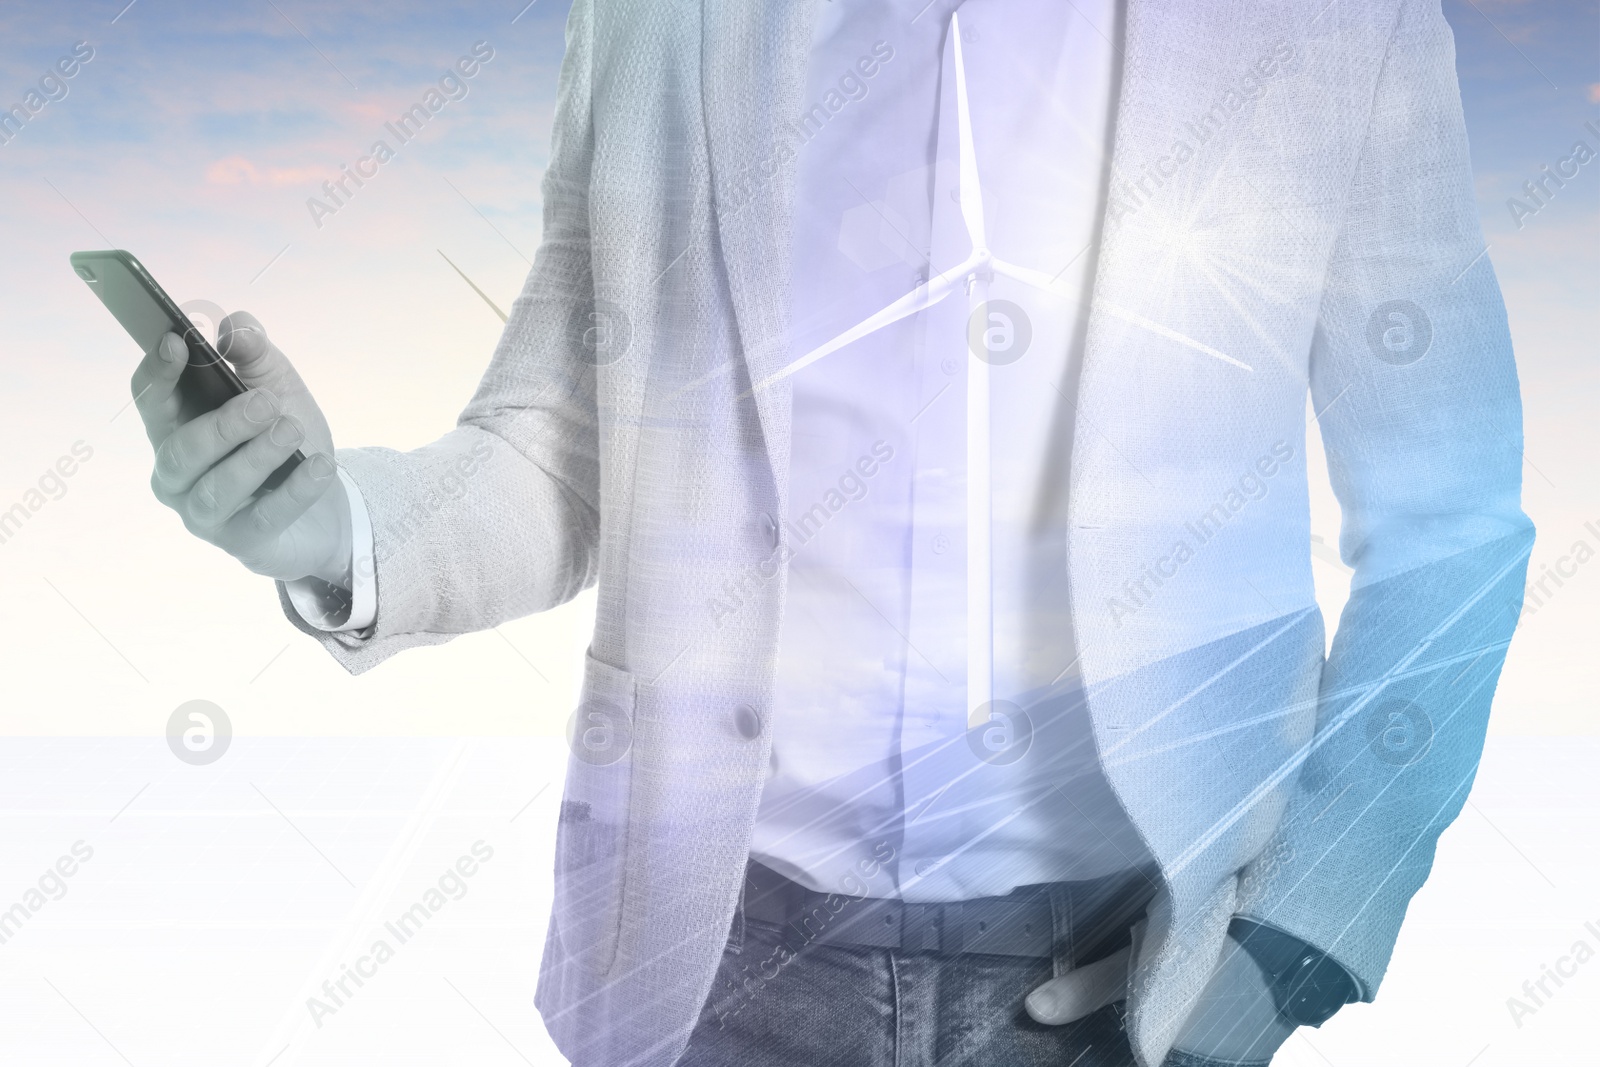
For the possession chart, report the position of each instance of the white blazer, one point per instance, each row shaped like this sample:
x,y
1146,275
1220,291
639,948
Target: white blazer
x,y
1314,229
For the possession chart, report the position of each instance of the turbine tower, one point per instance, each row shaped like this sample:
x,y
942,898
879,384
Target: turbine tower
x,y
972,274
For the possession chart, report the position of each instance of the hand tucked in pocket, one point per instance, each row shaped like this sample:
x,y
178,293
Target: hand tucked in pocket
x,y
1235,1020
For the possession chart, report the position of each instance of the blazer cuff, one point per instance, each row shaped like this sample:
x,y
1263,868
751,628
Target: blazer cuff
x,y
389,629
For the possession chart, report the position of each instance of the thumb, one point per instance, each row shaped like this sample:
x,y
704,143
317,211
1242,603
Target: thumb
x,y
1081,991
260,365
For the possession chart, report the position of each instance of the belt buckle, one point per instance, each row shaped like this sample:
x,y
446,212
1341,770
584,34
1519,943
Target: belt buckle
x,y
921,927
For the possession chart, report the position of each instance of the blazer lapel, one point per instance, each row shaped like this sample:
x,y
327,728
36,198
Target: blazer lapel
x,y
753,67
1177,58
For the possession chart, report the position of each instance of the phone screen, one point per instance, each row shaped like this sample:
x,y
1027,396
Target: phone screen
x,y
144,309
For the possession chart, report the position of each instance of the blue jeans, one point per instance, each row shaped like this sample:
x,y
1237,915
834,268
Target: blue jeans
x,y
778,1002
844,1006
784,1000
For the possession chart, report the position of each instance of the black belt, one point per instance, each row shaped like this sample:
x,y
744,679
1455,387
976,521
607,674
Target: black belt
x,y
1098,914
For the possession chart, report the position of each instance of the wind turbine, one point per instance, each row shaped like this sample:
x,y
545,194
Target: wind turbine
x,y
973,274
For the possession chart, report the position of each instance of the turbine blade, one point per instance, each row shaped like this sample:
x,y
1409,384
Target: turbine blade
x,y
1028,276
971,192
492,305
923,296
1161,331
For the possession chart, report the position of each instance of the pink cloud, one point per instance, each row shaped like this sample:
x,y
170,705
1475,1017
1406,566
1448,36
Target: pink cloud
x,y
237,170
371,112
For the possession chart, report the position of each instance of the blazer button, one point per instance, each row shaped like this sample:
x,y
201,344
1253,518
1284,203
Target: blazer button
x,y
765,529
747,721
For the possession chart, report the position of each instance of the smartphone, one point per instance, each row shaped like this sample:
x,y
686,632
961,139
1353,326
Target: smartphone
x,y
146,311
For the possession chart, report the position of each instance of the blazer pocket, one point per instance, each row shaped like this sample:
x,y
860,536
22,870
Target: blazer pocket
x,y
591,838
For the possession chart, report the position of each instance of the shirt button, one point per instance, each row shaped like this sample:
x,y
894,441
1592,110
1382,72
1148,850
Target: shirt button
x,y
747,721
925,867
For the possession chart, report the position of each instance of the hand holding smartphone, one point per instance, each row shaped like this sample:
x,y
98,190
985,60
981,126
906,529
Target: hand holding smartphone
x,y
146,311
228,438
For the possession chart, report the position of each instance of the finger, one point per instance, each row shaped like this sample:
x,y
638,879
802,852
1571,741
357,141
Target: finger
x,y
155,386
276,511
227,486
1081,991
199,444
258,362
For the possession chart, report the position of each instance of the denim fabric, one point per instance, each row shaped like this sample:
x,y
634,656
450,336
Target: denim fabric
x,y
779,1003
1189,1059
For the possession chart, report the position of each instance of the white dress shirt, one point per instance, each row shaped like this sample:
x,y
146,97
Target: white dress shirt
x,y
880,785
329,607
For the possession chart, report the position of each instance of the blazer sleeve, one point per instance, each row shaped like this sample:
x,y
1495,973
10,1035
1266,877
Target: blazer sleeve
x,y
1413,379
500,517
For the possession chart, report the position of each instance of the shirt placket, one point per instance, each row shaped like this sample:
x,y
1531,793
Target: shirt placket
x,y
934,722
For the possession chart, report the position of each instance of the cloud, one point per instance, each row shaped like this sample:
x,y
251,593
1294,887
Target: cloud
x,y
237,170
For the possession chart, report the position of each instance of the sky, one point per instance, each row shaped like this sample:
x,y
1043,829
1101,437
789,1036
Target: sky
x,y
195,136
